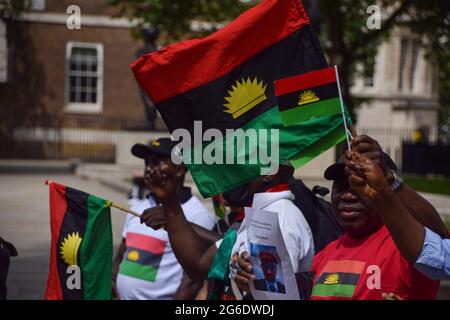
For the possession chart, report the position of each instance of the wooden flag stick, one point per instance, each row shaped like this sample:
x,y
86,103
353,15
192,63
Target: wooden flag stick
x,y
122,208
108,203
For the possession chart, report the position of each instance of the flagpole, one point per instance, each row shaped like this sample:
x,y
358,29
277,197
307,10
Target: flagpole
x,y
122,208
108,203
342,108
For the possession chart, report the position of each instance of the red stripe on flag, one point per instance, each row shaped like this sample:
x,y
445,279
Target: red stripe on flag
x,y
147,243
350,266
58,207
305,81
189,64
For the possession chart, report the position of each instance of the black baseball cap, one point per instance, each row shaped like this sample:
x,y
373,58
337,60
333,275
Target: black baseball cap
x,y
337,170
161,146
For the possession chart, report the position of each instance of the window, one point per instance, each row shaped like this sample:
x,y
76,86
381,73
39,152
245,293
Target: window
x,y
403,53
84,77
369,81
415,55
38,5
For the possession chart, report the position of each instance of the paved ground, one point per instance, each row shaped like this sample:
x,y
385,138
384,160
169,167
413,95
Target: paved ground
x,y
24,221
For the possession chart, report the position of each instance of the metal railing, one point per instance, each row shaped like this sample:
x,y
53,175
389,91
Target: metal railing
x,y
94,138
391,139
86,137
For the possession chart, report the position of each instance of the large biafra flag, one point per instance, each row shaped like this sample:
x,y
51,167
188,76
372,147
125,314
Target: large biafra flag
x,y
226,81
81,246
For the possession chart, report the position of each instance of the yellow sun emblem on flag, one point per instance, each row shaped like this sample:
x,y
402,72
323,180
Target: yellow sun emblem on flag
x,y
133,255
245,95
307,96
332,279
69,248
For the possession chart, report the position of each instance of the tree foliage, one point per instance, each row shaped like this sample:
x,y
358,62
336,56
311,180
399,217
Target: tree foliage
x,y
13,8
345,38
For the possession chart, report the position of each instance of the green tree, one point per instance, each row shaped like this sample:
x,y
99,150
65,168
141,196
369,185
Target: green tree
x,y
13,8
345,38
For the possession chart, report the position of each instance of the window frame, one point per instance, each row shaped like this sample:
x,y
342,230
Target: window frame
x,y
77,107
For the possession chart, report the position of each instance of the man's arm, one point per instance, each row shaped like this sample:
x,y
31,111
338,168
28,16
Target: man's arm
x,y
155,218
190,250
188,288
422,210
208,236
367,178
418,206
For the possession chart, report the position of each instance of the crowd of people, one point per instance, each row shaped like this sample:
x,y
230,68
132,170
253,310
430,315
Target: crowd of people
x,y
377,239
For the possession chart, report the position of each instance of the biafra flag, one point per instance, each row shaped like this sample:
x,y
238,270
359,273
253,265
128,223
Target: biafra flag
x,y
339,278
225,83
307,96
81,245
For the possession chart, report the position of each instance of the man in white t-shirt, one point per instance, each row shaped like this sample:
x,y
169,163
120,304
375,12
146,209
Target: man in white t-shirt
x,y
145,267
268,193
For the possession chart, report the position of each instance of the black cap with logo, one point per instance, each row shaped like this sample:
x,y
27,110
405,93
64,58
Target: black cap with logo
x,y
161,146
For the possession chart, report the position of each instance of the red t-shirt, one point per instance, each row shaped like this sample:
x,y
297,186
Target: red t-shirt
x,y
363,269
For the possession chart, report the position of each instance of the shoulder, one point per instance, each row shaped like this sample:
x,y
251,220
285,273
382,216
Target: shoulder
x,y
140,205
290,216
323,256
197,213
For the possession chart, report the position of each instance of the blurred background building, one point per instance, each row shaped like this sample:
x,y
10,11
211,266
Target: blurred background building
x,y
403,93
70,94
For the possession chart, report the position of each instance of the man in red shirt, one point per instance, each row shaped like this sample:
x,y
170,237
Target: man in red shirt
x,y
364,263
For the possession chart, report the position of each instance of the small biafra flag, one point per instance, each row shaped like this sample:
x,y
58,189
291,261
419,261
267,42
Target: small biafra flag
x,y
339,278
81,246
308,96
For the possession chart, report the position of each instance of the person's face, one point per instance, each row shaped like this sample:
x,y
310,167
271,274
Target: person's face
x,y
152,161
355,214
269,270
243,195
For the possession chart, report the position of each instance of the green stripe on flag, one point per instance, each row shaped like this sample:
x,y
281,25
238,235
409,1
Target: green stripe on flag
x,y
96,251
294,141
333,138
311,111
139,271
333,290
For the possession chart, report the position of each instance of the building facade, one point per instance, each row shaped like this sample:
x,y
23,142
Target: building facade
x,y
71,71
402,93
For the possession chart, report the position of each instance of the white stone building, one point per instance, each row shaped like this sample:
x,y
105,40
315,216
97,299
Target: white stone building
x,y
403,93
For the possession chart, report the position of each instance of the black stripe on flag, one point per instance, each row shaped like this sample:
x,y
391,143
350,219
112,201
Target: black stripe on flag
x,y
143,257
298,53
74,221
344,278
324,92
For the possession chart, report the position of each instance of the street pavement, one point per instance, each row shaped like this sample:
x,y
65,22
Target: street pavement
x,y
24,221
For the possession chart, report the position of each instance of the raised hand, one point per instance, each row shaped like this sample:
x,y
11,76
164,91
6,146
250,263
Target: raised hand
x,y
365,176
162,180
370,148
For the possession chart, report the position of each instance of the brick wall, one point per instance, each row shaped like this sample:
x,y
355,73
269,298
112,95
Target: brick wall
x,y
39,68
